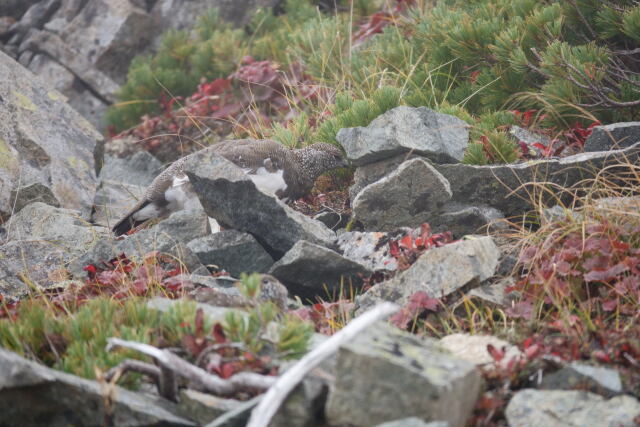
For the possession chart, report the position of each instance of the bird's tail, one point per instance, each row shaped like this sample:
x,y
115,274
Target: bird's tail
x,y
124,225
129,221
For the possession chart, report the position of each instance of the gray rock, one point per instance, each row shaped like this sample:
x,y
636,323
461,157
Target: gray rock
x,y
41,241
302,408
224,282
438,272
495,185
202,407
139,169
34,395
271,290
311,270
333,220
230,197
529,408
233,251
31,193
385,374
473,348
407,197
37,15
113,201
181,14
169,236
579,376
372,172
43,141
529,138
237,417
462,219
15,8
494,293
413,422
369,249
6,22
613,137
215,314
441,137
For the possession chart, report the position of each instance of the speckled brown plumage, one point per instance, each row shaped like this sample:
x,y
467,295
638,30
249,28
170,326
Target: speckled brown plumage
x,y
300,168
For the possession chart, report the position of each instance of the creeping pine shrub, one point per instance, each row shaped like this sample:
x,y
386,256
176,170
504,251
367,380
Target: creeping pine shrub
x,y
72,335
570,61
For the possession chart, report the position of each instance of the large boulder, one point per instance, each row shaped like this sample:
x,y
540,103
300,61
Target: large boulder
x,y
34,395
384,374
41,241
614,136
439,272
311,270
43,142
407,197
230,197
529,408
441,137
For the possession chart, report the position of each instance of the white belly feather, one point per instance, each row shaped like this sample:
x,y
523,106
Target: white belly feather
x,y
268,182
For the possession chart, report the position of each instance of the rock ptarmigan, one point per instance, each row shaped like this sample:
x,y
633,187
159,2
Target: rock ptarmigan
x,y
275,169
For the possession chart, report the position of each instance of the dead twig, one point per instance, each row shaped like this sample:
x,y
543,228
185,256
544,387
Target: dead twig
x,y
269,404
199,379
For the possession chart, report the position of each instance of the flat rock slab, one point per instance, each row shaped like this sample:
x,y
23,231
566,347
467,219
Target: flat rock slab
x,y
385,374
311,270
43,140
614,136
407,197
533,408
233,251
438,272
496,185
580,376
230,197
441,137
34,395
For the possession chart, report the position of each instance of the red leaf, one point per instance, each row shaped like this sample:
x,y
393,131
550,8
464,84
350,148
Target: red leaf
x,y
606,275
496,354
218,334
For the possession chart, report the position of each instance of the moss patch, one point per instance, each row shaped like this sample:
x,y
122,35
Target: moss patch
x,y
23,101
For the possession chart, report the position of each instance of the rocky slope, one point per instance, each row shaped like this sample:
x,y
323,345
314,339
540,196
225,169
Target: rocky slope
x,y
60,194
